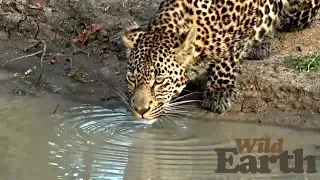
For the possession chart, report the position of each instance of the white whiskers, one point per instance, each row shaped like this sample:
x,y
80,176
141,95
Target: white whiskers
x,y
167,112
124,99
186,95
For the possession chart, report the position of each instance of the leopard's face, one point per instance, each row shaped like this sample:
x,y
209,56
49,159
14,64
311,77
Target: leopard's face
x,y
155,74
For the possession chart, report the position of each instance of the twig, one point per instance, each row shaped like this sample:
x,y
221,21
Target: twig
x,y
71,61
55,110
41,64
44,52
21,57
105,96
56,90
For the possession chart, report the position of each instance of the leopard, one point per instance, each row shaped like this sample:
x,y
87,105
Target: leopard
x,y
188,39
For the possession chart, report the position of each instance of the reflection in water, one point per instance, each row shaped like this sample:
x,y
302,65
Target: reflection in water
x,y
99,143
93,142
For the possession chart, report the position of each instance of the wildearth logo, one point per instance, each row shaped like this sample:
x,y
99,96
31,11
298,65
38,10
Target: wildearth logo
x,y
249,163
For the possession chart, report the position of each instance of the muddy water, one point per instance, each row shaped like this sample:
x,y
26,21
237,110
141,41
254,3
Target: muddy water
x,y
83,141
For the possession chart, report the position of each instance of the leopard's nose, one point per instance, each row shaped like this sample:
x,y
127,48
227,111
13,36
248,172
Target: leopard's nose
x,y
141,110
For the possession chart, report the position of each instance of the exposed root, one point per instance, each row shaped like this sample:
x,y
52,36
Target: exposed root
x,y
32,46
21,57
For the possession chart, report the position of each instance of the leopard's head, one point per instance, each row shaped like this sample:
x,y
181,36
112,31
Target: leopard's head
x,y
157,64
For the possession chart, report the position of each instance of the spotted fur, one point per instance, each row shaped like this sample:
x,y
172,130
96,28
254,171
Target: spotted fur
x,y
189,38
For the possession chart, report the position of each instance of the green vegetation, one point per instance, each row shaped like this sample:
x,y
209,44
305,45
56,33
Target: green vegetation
x,y
304,63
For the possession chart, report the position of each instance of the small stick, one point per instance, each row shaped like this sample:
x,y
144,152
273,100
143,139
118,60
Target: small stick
x,y
37,82
44,52
55,110
105,97
71,61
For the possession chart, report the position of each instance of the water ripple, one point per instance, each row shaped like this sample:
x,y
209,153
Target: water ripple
x,y
94,142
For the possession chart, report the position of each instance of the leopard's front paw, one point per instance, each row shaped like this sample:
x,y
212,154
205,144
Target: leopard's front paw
x,y
219,100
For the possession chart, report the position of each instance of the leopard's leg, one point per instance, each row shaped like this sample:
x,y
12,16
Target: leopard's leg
x,y
295,15
221,88
261,41
260,46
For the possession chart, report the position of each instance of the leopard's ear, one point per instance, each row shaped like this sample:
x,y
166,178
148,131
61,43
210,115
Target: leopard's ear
x,y
131,37
187,49
131,34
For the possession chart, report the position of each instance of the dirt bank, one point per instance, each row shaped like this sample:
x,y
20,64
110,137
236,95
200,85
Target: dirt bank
x,y
89,71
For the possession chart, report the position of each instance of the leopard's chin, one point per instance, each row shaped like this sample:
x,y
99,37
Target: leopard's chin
x,y
145,119
149,116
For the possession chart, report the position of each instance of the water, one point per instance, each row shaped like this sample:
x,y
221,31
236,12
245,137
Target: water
x,y
83,141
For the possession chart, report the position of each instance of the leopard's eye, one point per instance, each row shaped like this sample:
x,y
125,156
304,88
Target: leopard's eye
x,y
160,79
131,77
